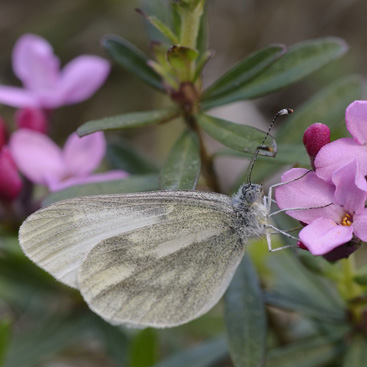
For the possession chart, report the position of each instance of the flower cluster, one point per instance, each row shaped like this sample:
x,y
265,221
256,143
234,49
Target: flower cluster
x,y
29,150
334,194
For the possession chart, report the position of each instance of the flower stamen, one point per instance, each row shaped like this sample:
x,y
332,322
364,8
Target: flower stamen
x,y
347,220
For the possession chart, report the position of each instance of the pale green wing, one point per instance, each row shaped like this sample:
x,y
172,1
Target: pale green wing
x,y
162,275
59,237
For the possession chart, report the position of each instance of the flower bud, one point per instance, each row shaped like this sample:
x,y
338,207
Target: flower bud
x,y
3,133
31,118
341,252
10,182
315,137
302,246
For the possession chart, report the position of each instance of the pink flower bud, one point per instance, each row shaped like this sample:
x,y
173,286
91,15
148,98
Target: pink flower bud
x,y
3,133
31,118
302,246
10,182
315,137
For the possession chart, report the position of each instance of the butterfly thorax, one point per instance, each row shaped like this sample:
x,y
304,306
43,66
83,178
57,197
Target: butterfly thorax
x,y
250,210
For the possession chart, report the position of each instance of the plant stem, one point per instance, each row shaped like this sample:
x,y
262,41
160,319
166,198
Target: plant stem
x,y
349,289
190,24
206,160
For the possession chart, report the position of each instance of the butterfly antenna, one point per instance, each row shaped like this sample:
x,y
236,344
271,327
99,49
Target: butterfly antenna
x,y
284,111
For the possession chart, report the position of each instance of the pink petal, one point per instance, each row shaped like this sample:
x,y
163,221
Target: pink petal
x,y
351,187
356,121
337,154
83,155
323,235
35,63
36,156
82,77
360,225
99,177
308,192
17,97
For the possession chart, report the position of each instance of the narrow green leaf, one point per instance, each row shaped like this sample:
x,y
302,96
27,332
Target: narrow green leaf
x,y
327,106
143,352
301,60
356,355
296,288
245,70
163,29
132,59
313,352
124,156
115,340
245,317
49,337
239,137
286,154
182,167
5,329
180,59
128,120
203,355
361,275
135,183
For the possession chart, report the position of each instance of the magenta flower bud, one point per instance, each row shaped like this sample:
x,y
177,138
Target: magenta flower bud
x,y
32,118
10,182
302,246
315,137
3,133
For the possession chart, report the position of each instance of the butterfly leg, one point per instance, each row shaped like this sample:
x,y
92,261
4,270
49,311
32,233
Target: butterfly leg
x,y
268,239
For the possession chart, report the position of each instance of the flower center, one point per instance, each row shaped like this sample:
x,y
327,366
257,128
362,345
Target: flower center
x,y
347,220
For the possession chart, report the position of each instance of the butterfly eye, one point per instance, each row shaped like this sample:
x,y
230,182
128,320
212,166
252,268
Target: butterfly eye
x,y
250,195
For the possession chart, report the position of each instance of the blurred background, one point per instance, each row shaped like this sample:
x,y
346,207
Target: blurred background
x,y
74,27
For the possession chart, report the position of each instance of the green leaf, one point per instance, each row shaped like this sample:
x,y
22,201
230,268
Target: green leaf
x,y
143,351
132,59
286,154
182,167
5,329
313,352
244,71
301,60
161,27
203,355
297,289
180,59
356,355
327,106
245,317
115,340
135,183
50,336
239,137
128,120
361,275
124,156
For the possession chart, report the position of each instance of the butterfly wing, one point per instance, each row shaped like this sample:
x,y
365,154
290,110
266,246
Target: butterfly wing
x,y
162,275
59,237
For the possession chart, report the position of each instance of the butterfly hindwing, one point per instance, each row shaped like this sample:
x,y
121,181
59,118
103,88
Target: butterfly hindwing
x,y
162,275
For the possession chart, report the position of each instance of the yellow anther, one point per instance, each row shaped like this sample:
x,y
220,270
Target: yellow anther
x,y
347,220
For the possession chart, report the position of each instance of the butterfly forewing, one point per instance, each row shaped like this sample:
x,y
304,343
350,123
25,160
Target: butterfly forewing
x,y
59,237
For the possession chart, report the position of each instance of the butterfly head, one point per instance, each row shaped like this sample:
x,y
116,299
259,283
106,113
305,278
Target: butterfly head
x,y
250,209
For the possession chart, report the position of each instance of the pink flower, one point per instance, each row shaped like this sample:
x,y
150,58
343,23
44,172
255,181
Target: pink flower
x,y
335,224
44,163
342,151
31,118
10,182
45,85
314,138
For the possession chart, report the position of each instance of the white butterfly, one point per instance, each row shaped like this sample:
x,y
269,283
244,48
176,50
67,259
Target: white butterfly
x,y
155,259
